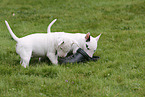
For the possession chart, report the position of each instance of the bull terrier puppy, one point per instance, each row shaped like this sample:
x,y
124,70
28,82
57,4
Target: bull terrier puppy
x,y
85,41
41,45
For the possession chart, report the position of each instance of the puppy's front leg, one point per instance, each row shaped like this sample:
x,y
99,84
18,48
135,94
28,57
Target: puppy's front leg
x,y
53,58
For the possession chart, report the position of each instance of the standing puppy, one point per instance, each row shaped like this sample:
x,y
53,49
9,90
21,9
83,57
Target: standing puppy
x,y
41,45
85,41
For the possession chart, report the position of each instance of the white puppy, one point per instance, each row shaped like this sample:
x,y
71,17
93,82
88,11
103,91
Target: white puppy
x,y
41,45
85,41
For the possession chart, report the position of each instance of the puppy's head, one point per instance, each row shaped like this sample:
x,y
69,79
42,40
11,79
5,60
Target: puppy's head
x,y
64,46
90,45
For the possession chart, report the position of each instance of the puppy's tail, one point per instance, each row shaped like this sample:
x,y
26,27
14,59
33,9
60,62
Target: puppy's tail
x,y
49,27
11,32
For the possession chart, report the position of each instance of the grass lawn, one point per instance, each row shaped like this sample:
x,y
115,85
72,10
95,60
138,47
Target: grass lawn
x,y
119,73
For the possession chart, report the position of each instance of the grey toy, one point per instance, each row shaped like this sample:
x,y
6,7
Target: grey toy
x,y
79,56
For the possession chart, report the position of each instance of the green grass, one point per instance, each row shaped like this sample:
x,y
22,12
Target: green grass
x,y
119,73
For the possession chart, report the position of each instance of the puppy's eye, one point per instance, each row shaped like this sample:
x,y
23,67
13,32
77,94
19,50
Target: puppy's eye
x,y
87,47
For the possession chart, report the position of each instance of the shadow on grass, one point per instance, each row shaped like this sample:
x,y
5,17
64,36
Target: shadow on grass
x,y
33,61
36,60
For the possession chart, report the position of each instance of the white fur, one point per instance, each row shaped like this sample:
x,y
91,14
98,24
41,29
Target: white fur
x,y
41,45
81,40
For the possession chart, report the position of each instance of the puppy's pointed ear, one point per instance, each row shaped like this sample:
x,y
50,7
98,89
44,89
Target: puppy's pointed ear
x,y
61,42
97,38
87,37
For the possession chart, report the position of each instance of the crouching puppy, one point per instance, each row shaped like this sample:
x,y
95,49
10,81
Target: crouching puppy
x,y
84,41
41,45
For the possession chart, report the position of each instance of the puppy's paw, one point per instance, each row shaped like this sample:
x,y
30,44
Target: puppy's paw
x,y
24,65
55,63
